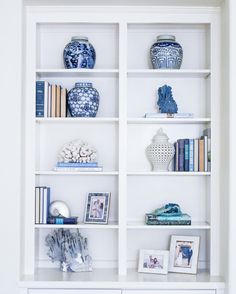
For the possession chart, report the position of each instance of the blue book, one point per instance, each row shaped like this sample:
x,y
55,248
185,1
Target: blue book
x,y
77,164
186,154
181,155
46,203
39,111
62,220
191,155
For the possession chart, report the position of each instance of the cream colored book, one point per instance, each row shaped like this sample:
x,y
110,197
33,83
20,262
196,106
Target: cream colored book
x,y
53,105
63,102
58,101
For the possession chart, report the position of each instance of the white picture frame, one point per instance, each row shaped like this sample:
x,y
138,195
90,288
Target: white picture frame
x,y
184,252
153,261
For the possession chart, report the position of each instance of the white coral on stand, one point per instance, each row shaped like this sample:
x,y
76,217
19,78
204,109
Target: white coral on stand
x,y
77,151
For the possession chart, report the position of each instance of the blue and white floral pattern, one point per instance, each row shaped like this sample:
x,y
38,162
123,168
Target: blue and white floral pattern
x,y
166,55
79,53
83,100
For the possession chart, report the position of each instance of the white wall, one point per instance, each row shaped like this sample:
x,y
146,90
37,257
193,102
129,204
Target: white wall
x,y
10,112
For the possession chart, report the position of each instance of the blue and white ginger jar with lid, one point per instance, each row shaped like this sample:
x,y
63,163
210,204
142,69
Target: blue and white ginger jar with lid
x,y
79,53
166,53
83,100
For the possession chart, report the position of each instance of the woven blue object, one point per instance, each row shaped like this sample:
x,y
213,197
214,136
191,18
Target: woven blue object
x,y
165,101
83,100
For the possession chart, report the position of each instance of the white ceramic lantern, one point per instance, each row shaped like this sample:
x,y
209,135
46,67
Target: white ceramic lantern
x,y
160,152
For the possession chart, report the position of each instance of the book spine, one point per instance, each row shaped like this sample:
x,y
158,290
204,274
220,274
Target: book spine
x,y
79,169
58,101
46,203
62,220
181,155
77,164
169,223
186,154
49,100
205,153
41,210
209,154
196,155
63,103
177,156
39,111
191,155
201,155
46,86
168,115
37,202
53,105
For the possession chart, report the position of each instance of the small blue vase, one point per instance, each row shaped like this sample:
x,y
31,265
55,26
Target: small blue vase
x,y
166,53
83,100
79,53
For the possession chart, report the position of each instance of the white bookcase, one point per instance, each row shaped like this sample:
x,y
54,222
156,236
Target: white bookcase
x,y
127,85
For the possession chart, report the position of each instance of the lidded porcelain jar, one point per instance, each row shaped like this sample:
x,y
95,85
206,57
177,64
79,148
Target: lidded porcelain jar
x,y
79,53
160,152
166,53
83,100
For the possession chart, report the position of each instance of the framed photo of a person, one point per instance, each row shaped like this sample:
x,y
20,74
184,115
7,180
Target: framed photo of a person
x,y
184,254
97,208
153,261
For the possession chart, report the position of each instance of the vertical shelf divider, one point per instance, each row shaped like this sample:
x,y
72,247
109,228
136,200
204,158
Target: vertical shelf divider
x,y
122,187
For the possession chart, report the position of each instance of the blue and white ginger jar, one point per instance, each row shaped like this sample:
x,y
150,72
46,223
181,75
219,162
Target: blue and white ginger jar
x,y
166,53
83,100
79,53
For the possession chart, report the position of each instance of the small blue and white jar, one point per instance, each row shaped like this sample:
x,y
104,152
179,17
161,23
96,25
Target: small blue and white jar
x,y
83,100
79,53
166,53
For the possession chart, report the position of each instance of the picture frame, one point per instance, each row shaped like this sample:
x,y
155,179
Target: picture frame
x,y
184,252
153,261
97,208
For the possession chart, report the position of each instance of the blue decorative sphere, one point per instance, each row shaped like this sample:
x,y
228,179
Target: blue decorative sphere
x,y
83,100
166,53
79,53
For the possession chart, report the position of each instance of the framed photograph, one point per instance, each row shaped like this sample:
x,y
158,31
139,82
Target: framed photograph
x,y
184,254
153,261
97,208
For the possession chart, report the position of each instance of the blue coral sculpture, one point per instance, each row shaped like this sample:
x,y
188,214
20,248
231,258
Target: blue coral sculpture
x,y
165,101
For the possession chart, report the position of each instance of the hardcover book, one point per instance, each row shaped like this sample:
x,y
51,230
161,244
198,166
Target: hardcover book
x,y
39,111
186,154
152,219
181,155
62,220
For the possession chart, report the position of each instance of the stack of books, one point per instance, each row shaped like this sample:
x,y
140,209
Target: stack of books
x,y
193,155
78,166
50,100
42,202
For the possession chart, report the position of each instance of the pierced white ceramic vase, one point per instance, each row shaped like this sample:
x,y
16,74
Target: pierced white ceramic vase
x,y
160,152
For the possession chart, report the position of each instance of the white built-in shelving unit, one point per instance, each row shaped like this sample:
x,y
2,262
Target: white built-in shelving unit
x,y
127,86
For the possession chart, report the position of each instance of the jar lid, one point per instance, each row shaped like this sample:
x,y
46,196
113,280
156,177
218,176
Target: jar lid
x,y
160,136
82,38
83,84
165,37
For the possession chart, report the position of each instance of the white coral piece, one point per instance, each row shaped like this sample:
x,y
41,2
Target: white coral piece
x,y
77,151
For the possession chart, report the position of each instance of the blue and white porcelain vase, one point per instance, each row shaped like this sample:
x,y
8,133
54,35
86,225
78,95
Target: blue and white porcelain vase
x,y
166,53
83,100
79,53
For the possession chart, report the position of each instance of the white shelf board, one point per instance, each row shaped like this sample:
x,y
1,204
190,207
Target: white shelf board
x,y
76,119
110,225
143,120
75,72
181,73
63,173
109,278
143,226
168,173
